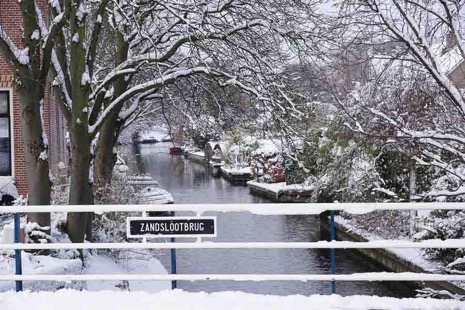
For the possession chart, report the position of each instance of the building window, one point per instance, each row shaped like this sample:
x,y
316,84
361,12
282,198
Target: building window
x,y
5,134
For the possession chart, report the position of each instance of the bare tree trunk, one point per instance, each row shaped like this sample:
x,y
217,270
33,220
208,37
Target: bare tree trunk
x,y
80,189
79,224
105,157
31,96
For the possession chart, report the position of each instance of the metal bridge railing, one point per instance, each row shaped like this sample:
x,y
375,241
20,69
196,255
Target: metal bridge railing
x,y
258,209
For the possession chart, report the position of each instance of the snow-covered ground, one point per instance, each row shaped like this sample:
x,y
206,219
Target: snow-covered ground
x,y
33,264
177,299
142,263
137,261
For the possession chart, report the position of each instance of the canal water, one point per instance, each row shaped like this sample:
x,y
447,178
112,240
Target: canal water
x,y
193,183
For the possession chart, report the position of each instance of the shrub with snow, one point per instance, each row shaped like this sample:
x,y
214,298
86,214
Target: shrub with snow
x,y
239,152
446,225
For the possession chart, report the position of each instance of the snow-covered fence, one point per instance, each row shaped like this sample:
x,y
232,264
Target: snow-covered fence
x,y
259,209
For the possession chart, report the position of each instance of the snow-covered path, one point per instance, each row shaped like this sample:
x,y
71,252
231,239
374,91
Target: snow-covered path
x,y
170,300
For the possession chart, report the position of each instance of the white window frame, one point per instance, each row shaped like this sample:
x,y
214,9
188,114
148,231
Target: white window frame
x,y
12,130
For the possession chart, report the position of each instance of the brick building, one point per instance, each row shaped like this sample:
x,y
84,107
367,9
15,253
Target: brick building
x,y
12,159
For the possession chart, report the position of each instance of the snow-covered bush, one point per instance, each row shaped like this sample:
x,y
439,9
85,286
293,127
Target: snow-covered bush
x,y
117,191
111,226
240,151
60,189
295,172
349,165
340,165
446,225
269,169
390,224
106,226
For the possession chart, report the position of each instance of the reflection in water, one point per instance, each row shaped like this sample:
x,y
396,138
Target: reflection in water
x,y
193,183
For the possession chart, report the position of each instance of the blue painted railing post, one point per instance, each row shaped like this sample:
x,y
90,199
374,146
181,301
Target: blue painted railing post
x,y
173,265
18,263
174,283
333,252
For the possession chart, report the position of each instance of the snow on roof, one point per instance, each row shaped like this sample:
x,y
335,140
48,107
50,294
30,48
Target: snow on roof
x,y
379,64
447,61
223,145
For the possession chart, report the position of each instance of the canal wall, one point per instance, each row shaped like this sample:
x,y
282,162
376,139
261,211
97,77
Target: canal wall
x,y
196,158
277,192
390,260
235,177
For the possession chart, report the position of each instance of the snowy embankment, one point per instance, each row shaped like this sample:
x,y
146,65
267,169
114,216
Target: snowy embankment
x,y
413,256
70,299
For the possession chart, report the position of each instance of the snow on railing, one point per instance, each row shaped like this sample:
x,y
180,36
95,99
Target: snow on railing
x,y
259,209
376,244
367,276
